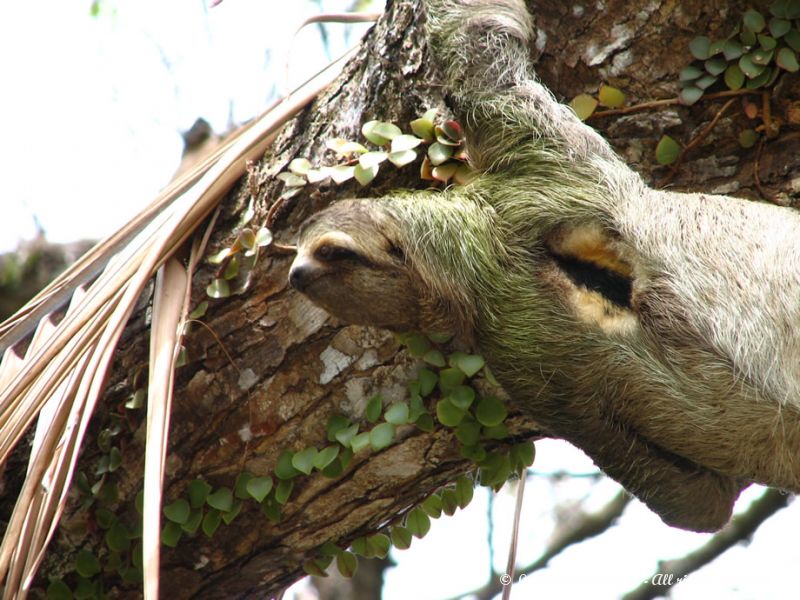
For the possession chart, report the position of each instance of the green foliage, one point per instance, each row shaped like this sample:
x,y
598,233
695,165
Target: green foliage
x,y
667,150
752,56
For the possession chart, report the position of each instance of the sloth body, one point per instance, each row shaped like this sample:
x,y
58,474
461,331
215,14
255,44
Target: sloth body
x,y
656,331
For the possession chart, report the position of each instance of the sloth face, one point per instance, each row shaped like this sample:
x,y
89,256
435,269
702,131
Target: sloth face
x,y
347,264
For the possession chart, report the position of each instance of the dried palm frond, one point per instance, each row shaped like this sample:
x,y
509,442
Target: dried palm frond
x,y
62,373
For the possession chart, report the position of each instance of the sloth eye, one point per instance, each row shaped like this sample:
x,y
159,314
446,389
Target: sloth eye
x,y
328,252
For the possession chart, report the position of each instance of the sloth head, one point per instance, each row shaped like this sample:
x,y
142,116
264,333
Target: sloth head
x,y
350,263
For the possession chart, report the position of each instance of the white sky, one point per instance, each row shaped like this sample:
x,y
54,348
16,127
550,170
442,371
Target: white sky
x,y
90,111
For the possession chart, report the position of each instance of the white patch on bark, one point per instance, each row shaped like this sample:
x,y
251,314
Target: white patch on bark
x,y
247,379
245,433
334,362
367,360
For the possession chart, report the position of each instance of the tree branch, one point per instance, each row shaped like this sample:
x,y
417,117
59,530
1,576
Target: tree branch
x,y
741,528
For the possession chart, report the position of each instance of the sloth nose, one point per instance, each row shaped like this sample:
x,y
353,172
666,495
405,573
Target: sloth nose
x,y
299,276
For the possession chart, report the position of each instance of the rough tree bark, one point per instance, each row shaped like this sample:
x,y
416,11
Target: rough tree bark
x,y
276,367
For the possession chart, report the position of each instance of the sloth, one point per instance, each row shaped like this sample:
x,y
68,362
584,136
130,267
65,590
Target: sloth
x,y
656,331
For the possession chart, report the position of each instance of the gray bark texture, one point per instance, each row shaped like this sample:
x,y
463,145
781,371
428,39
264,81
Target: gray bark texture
x,y
276,367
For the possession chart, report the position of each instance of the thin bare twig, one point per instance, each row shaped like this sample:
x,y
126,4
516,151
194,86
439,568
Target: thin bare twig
x,y
741,528
656,104
694,142
587,525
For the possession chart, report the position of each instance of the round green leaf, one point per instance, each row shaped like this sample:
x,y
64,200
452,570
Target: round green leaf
x,y
470,364
218,288
474,453
779,27
229,516
221,499
259,487
427,381
779,8
715,66
787,60
435,358
734,78
347,563
699,47
178,511
303,461
462,396
401,537
341,173
448,414
416,343
498,432
86,564
405,142
360,441
450,378
240,486
690,73
284,469
444,173
381,436
767,42
401,158
468,432
423,128
364,176
284,490
345,436
292,180
705,82
610,96
439,153
193,522
732,49
584,106
387,131
198,491
397,414
753,20
464,491
432,505
747,37
522,456
368,131
425,423
171,534
792,38
300,166
325,457
667,150
105,518
760,80
211,521
449,502
58,590
379,544
750,68
762,57
374,408
316,567
418,523
359,546
490,411
336,423
372,159
343,147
